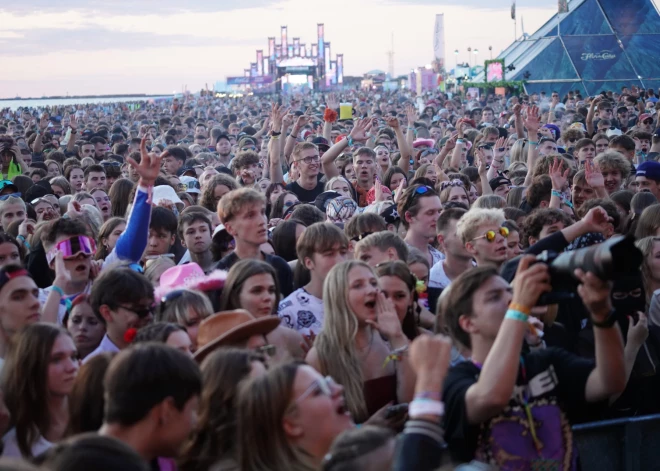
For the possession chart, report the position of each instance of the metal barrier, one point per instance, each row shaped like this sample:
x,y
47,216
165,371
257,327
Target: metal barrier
x,y
620,445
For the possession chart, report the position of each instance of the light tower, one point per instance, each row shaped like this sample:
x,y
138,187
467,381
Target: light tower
x,y
390,57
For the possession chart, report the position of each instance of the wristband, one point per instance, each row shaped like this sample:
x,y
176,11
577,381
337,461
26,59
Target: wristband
x,y
425,407
558,194
516,316
460,141
58,290
428,395
275,133
520,308
349,140
534,143
23,241
291,135
274,138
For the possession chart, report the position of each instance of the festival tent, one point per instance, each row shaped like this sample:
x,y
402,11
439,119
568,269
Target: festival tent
x,y
598,45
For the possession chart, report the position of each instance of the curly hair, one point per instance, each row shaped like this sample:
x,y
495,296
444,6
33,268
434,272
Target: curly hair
x,y
209,200
534,223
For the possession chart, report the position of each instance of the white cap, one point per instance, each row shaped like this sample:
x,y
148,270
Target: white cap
x,y
191,183
165,192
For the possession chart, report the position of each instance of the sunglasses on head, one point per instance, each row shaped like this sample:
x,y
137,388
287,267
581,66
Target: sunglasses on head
x,y
491,235
454,182
73,246
141,312
10,195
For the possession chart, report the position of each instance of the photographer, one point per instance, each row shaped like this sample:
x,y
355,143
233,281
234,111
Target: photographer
x,y
506,407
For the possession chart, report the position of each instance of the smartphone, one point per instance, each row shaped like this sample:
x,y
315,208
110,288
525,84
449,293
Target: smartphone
x,y
396,410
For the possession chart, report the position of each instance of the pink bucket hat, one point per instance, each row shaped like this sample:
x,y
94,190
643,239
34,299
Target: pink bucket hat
x,y
190,276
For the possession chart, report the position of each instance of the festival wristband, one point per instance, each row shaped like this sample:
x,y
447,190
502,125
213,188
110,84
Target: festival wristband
x,y
425,407
558,194
428,395
520,308
460,141
349,140
58,290
516,316
534,143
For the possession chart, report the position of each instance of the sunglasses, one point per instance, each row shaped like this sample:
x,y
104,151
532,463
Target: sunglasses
x,y
267,350
111,164
252,148
141,312
11,195
454,182
324,385
490,235
171,296
429,151
70,248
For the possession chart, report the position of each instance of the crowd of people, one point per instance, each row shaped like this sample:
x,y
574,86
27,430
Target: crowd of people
x,y
251,283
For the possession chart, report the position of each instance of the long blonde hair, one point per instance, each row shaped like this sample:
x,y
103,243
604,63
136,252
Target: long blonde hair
x,y
261,406
335,344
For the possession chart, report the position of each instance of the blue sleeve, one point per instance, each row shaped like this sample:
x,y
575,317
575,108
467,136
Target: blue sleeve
x,y
132,243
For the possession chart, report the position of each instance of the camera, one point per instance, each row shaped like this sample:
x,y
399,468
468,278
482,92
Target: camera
x,y
611,260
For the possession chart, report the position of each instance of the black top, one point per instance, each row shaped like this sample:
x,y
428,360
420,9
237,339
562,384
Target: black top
x,y
283,270
553,385
307,196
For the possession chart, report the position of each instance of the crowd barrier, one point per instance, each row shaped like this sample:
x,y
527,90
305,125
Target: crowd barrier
x,y
620,445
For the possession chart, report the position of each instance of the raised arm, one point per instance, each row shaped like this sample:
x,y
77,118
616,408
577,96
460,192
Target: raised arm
x,y
460,143
591,114
71,144
559,181
331,104
609,376
492,391
532,123
291,138
517,113
441,159
131,244
274,149
404,161
358,134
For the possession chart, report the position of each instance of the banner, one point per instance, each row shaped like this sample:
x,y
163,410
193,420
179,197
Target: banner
x,y
271,48
321,47
439,40
340,68
296,47
285,42
263,80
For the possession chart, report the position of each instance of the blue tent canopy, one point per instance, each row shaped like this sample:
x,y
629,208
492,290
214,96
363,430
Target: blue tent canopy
x,y
599,45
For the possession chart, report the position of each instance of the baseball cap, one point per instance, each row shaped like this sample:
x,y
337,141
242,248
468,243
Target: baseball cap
x,y
321,143
185,169
644,116
322,200
498,181
192,184
649,169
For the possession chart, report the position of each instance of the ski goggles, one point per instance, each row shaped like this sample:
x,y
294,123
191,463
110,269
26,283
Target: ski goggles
x,y
72,247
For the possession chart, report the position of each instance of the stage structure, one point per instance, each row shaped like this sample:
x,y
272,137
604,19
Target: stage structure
x,y
590,46
292,65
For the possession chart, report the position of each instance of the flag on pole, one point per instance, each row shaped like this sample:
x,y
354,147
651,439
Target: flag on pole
x,y
513,10
563,6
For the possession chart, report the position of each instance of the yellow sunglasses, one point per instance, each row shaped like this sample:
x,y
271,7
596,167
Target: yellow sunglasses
x,y
490,235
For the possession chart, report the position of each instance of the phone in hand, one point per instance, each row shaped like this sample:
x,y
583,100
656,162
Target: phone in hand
x,y
397,410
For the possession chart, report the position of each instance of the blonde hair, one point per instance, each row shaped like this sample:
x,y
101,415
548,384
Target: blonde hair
x,y
613,160
468,225
645,245
11,200
335,345
177,310
338,178
519,151
92,218
232,203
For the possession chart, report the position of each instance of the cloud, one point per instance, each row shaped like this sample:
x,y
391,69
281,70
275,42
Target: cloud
x,y
99,39
132,6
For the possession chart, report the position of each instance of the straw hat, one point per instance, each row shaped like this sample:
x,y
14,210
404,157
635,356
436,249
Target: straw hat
x,y
230,327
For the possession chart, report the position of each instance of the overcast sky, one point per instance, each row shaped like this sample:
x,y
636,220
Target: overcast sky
x,y
157,46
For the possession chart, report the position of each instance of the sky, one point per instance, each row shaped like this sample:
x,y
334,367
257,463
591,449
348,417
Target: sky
x,y
90,47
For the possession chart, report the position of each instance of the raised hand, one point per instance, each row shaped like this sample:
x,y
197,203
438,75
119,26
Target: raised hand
x,y
592,175
360,130
595,294
559,178
532,121
411,114
277,114
149,166
517,109
531,281
62,275
333,102
393,122
500,148
387,322
638,331
73,122
482,166
399,190
43,122
450,144
596,220
429,357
